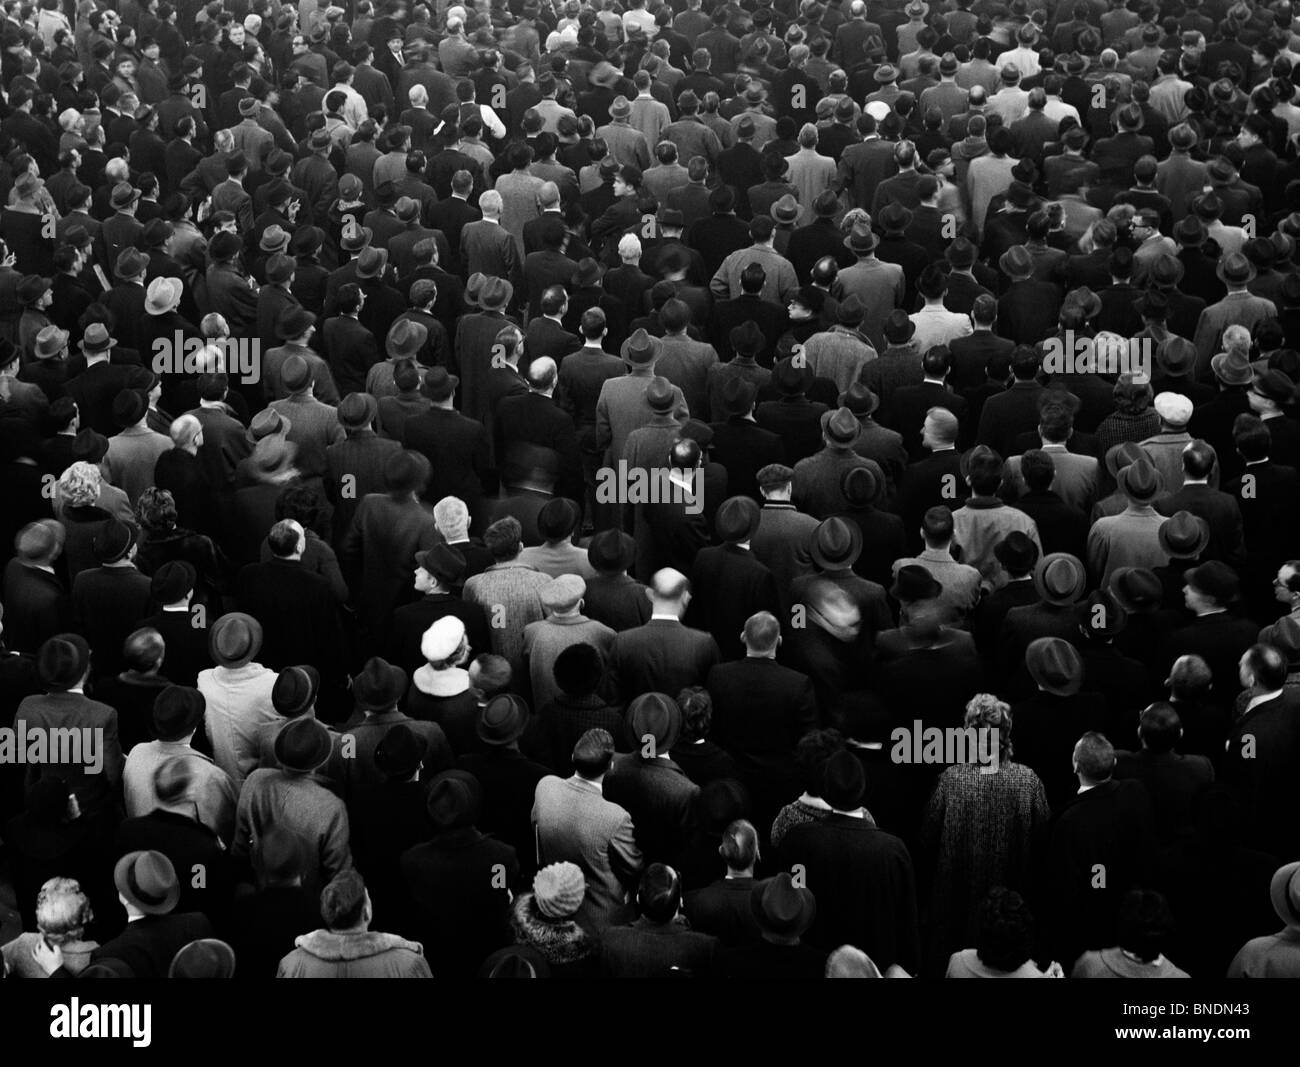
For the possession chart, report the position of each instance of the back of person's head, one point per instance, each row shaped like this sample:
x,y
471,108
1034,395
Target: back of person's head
x,y
1159,727
1199,459
937,526
739,848
1037,470
761,632
1189,678
660,894
1055,423
1095,757
1268,666
1144,924
593,753
343,901
1005,940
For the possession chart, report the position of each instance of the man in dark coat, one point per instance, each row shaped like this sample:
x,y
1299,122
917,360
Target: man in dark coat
x,y
459,880
457,447
295,606
662,655
1216,634
1262,761
728,583
866,892
439,573
1106,829
150,889
654,790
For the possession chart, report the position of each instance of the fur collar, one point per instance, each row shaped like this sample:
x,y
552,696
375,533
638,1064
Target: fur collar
x,y
558,942
449,683
327,945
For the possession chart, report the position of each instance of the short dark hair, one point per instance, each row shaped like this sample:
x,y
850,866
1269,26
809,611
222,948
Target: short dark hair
x,y
1144,924
660,894
1159,726
1005,940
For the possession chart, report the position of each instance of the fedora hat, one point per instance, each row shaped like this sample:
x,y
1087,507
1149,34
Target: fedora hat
x,y
841,426
454,800
859,399
371,262
400,753
1140,480
280,268
899,327
1284,892
786,209
1121,455
303,744
736,520
205,958
1016,552
835,544
1055,665
503,719
1060,579
295,690
495,294
438,385
612,551
379,686
51,341
178,712
1184,535
642,349
781,908
791,379
1235,269
1176,356
860,487
604,75
860,240
405,339
274,239
148,881
294,322
443,562
163,295
115,538
1232,368
738,396
234,639
355,238
1016,263
62,661
124,194
589,273
32,287
913,582
1137,589
357,411
1215,579
654,716
894,217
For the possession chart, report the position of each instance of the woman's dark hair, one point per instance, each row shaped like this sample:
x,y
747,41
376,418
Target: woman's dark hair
x,y
1145,924
811,754
1006,930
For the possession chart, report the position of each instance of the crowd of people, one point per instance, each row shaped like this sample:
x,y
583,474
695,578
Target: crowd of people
x,y
550,488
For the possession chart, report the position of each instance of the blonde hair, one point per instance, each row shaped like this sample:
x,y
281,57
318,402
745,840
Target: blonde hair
x,y
79,485
62,910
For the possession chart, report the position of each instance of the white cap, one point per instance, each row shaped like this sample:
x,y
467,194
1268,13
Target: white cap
x,y
442,638
1174,408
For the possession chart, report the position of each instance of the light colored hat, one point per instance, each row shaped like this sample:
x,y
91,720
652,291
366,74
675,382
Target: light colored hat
x,y
442,639
163,295
562,593
559,890
1174,408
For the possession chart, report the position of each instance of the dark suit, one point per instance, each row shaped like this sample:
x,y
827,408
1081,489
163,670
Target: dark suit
x,y
744,448
1262,767
660,799
866,890
1221,513
907,408
1008,414
729,585
457,448
661,656
149,944
94,390
1220,640
531,428
1111,825
1028,311
298,613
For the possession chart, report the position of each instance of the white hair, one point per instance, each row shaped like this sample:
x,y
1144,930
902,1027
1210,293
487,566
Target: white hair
x,y
490,202
629,246
418,95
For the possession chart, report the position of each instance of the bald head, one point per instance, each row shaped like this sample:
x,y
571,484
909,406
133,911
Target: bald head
x,y
1190,677
669,592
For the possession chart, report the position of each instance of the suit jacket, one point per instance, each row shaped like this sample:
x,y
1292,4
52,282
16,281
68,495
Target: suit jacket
x,y
298,614
574,822
457,448
94,390
362,456
1262,767
531,427
867,887
1220,639
1110,824
149,944
907,408
661,656
661,800
730,584
229,294
1220,511
92,765
761,708
488,248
